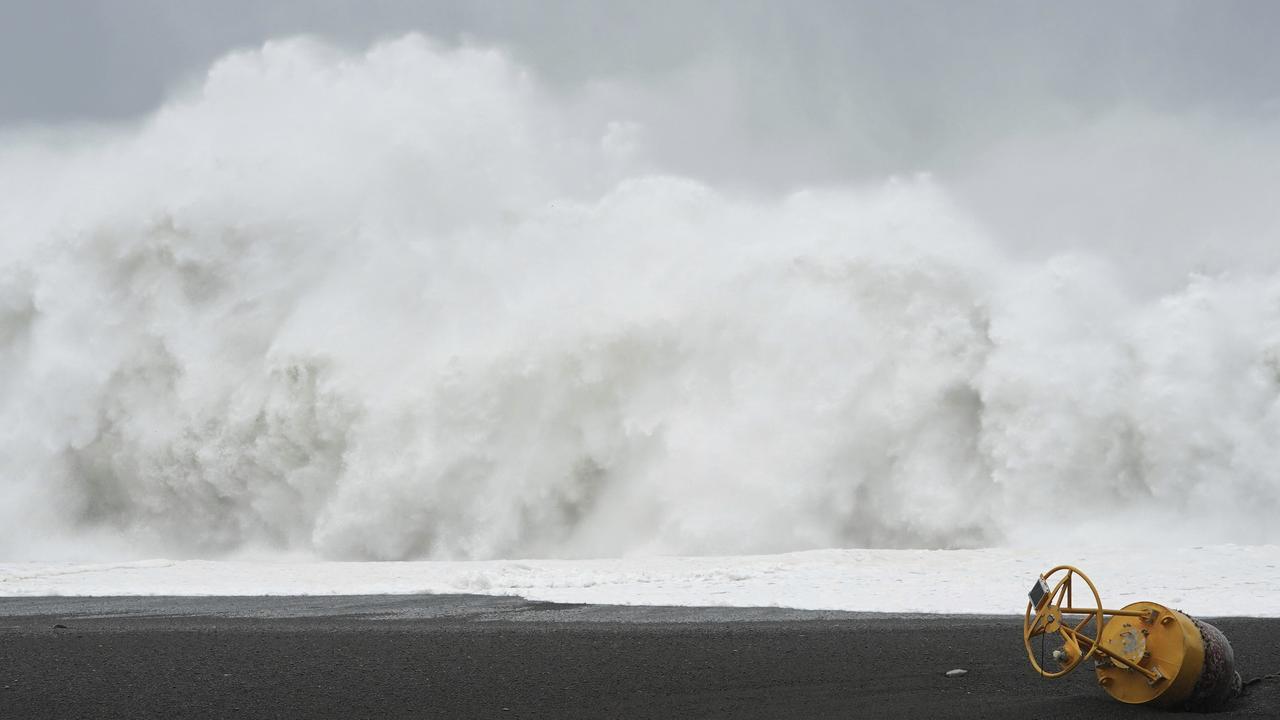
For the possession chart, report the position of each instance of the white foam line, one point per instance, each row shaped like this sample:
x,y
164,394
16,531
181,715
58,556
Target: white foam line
x,y
1210,581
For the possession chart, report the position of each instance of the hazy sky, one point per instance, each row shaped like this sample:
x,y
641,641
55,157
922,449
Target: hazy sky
x,y
64,59
1081,123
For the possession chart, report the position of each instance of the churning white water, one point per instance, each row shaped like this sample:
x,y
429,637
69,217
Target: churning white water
x,y
400,304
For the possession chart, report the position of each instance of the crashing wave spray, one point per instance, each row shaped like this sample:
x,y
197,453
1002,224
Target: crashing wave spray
x,y
395,305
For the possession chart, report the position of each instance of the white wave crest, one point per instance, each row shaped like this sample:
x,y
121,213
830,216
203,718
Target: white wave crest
x,y
402,305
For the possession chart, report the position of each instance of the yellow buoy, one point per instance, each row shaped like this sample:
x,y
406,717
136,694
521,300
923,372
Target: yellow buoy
x,y
1144,653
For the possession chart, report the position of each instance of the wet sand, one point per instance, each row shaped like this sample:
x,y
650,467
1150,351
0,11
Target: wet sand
x,y
471,656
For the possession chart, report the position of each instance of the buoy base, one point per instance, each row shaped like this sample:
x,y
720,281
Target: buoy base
x,y
1166,658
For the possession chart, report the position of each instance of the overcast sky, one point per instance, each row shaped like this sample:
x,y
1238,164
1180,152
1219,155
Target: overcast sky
x,y
1014,102
93,59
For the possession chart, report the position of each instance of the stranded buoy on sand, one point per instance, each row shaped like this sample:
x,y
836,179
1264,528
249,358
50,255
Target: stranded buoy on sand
x,y
1143,653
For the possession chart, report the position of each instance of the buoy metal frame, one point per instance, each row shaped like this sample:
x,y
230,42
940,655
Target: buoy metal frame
x,y
1145,653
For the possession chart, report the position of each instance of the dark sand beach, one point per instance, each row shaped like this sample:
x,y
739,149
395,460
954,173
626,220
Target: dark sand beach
x,y
467,656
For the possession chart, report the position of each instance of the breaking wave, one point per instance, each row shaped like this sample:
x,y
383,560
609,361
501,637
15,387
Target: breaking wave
x,y
400,304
